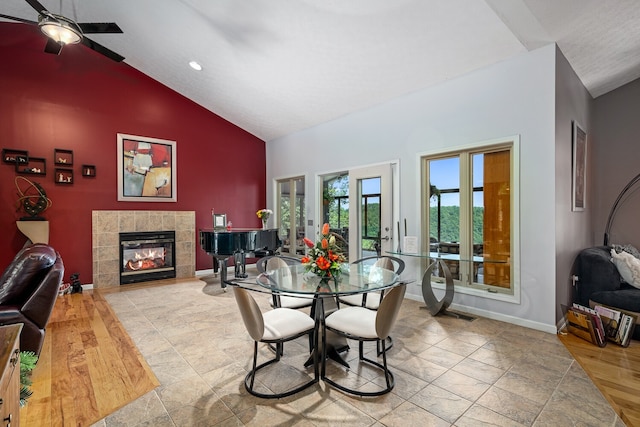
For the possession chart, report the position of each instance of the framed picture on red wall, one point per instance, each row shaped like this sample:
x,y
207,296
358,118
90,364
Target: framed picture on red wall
x,y
146,169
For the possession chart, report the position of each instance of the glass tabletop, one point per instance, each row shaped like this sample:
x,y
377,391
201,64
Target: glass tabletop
x,y
354,279
449,257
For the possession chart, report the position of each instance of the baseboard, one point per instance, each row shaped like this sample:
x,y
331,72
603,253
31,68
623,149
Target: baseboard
x,y
209,271
496,316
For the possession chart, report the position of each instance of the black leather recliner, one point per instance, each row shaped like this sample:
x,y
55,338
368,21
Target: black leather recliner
x,y
28,291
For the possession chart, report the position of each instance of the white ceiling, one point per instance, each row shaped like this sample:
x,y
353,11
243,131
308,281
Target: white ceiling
x,y
274,67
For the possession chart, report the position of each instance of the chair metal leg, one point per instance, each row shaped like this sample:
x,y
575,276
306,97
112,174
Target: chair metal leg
x,y
273,347
255,361
316,361
388,341
324,349
249,379
388,375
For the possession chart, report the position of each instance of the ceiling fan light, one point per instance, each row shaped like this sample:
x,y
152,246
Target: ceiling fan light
x,y
60,30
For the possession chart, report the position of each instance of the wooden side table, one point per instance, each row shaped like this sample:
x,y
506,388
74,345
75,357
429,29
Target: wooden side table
x,y
10,379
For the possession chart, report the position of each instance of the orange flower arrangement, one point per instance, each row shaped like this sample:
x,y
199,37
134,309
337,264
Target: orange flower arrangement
x,y
324,257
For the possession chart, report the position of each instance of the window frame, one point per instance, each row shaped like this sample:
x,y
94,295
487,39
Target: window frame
x,y
512,143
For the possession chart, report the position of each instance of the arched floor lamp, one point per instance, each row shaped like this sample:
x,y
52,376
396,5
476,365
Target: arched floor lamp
x,y
614,208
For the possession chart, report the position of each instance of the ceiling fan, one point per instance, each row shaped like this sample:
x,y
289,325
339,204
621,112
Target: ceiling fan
x,y
61,31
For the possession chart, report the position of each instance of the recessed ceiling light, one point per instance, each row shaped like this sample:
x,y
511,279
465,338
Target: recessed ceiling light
x,y
195,65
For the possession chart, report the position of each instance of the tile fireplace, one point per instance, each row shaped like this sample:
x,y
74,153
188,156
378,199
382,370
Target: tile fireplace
x,y
106,227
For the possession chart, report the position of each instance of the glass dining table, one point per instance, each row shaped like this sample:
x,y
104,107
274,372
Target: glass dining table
x,y
439,260
295,281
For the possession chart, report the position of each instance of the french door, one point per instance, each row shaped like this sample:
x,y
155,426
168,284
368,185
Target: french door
x,y
359,206
371,220
291,214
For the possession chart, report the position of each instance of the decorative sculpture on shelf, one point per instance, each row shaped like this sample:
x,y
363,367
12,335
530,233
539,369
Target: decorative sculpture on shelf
x,y
32,199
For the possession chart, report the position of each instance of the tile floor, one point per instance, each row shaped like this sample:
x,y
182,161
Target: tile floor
x,y
449,372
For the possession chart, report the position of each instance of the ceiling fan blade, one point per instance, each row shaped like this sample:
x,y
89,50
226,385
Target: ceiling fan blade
x,y
99,27
15,18
53,46
37,6
102,50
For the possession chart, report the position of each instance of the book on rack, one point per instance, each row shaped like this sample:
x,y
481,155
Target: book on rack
x,y
618,324
597,322
584,323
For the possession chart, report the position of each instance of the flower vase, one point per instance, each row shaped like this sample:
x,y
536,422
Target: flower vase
x,y
324,285
264,223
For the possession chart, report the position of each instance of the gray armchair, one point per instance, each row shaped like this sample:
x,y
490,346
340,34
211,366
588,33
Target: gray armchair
x,y
600,282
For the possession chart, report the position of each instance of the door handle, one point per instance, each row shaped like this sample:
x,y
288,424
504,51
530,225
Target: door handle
x,y
387,238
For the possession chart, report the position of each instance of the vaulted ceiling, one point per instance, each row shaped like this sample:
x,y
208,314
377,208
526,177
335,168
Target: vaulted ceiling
x,y
273,67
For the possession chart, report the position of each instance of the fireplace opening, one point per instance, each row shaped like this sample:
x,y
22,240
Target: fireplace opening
x,y
147,255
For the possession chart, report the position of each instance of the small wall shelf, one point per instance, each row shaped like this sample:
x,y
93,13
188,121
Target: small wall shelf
x,y
15,156
63,176
33,166
89,171
62,157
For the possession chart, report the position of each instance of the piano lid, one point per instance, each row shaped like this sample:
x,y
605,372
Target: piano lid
x,y
249,240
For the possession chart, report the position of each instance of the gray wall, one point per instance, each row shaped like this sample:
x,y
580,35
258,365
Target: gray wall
x,y
514,97
536,96
573,229
616,160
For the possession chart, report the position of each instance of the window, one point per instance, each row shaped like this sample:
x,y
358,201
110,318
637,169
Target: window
x,y
469,214
291,214
371,213
335,201
335,207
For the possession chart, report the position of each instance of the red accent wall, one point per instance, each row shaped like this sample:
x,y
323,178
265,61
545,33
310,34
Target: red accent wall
x,y
79,101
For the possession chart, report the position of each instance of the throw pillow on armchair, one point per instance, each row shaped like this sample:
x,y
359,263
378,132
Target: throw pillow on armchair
x,y
628,266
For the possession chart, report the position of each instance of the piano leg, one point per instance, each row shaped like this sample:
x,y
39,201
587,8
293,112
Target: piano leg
x,y
240,264
223,273
215,266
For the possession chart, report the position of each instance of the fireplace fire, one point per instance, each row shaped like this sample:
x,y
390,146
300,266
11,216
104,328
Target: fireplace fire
x,y
147,256
144,259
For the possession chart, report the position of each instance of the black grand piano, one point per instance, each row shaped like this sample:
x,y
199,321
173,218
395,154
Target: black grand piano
x,y
238,243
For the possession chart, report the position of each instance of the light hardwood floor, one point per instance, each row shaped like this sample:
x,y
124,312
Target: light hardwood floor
x,y
89,367
614,370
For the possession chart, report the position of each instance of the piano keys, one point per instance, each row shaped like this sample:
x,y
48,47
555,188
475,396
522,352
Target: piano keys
x,y
239,244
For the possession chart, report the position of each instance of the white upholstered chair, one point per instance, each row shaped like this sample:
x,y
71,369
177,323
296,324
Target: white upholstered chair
x,y
372,300
275,327
362,324
282,299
